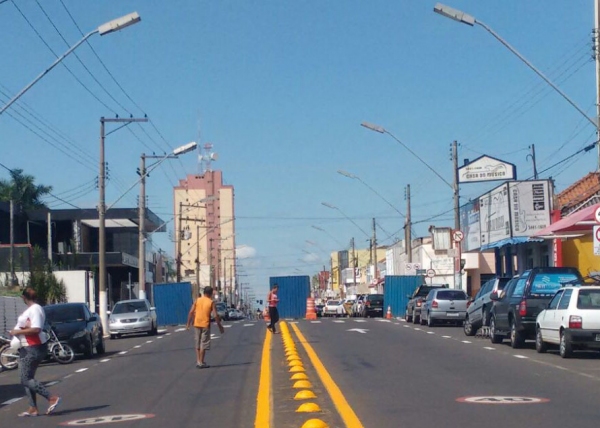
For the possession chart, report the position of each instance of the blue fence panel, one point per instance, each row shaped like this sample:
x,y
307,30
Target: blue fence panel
x,y
397,288
172,302
293,292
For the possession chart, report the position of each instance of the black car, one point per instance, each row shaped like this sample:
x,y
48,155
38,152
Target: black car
x,y
373,305
416,300
514,311
75,324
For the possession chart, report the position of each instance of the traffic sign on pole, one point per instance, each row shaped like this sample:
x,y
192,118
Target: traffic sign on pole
x,y
458,236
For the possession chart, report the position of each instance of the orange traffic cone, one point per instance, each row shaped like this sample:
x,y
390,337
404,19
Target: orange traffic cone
x,y
389,313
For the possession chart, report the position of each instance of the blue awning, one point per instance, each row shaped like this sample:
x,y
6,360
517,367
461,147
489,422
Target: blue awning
x,y
509,241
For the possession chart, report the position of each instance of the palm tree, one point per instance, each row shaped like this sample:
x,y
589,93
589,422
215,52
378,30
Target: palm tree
x,y
21,188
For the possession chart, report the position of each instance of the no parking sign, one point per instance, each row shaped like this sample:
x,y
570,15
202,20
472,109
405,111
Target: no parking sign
x,y
596,240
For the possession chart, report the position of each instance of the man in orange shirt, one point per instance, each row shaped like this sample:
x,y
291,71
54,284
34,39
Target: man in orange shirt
x,y
200,315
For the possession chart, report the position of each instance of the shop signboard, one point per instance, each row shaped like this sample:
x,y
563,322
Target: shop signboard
x,y
494,215
529,206
486,168
469,220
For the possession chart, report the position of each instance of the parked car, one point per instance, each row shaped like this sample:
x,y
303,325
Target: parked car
x,y
75,324
514,313
571,321
222,310
413,307
373,306
334,308
444,305
132,316
478,311
235,314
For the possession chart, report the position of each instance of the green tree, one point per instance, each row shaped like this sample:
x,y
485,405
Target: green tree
x,y
49,289
22,189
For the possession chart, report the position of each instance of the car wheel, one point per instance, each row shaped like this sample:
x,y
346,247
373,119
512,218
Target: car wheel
x,y
423,322
485,319
468,327
566,348
89,349
540,345
516,338
416,319
430,321
100,346
494,337
407,318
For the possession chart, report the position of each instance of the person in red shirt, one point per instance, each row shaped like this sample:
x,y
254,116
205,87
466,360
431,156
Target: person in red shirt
x,y
272,301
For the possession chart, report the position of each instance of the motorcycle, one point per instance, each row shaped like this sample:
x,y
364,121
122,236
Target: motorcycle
x,y
58,351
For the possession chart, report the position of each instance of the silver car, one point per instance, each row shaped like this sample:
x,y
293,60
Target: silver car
x,y
132,316
444,304
478,311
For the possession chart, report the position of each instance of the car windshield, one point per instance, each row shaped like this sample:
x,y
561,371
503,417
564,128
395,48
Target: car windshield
x,y
549,283
588,299
64,314
333,303
129,307
451,295
424,291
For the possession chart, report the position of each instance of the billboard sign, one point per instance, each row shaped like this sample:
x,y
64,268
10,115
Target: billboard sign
x,y
529,206
494,216
469,220
486,168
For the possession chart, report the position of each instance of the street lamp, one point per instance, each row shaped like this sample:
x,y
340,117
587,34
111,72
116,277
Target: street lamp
x,y
109,27
328,234
142,207
333,207
464,18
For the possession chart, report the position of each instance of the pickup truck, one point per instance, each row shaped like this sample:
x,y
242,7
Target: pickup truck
x,y
514,311
415,302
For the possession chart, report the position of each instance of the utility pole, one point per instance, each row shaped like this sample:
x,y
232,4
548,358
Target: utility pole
x,y
13,278
50,238
532,156
457,245
103,298
225,281
408,227
353,265
597,59
210,264
179,239
374,245
141,233
197,291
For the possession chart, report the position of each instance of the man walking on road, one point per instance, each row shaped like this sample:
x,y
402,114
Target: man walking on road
x,y
272,301
200,316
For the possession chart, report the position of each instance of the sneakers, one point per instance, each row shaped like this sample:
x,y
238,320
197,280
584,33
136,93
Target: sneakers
x,y
202,366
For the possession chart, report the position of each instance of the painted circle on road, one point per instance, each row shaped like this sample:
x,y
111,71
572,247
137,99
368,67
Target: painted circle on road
x,y
502,399
111,419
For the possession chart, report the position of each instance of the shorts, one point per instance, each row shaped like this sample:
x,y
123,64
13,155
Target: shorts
x,y
202,337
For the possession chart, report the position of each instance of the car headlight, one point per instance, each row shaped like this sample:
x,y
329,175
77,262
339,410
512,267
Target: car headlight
x,y
79,334
112,321
144,319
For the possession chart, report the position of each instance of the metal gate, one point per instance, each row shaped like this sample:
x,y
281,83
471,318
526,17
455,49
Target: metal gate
x,y
172,302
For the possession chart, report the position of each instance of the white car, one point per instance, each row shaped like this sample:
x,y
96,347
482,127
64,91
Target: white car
x,y
334,308
571,321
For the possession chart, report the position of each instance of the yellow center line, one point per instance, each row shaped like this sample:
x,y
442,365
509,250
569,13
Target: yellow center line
x,y
342,406
263,398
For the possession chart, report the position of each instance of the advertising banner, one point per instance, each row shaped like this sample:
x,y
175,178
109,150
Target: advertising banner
x,y
469,220
529,206
494,215
486,168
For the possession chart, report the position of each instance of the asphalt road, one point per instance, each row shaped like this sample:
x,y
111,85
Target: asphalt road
x,y
391,374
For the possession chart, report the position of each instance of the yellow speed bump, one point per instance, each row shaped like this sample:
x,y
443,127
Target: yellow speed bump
x,y
305,394
295,363
297,369
299,376
315,423
308,408
302,384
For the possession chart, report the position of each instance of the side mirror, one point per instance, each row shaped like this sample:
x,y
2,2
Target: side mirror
x,y
107,312
152,308
94,318
494,296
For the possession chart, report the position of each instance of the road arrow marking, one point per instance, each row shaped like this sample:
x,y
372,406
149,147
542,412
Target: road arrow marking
x,y
359,330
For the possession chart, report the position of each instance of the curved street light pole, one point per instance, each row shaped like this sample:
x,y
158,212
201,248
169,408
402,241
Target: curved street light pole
x,y
333,207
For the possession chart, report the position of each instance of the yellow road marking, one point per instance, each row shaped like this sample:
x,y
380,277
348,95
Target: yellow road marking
x,y
342,406
263,398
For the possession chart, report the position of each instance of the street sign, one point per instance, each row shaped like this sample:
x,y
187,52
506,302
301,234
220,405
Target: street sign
x,y
458,236
430,273
597,240
597,215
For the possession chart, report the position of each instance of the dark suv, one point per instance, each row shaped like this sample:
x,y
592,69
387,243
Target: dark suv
x,y
373,305
516,309
415,302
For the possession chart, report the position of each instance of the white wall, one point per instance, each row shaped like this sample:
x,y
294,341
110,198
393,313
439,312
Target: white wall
x,y
76,282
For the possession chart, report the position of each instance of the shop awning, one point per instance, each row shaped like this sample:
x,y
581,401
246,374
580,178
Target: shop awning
x,y
577,224
509,241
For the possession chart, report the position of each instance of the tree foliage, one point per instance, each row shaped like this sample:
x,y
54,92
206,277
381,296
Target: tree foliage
x,y
48,288
22,189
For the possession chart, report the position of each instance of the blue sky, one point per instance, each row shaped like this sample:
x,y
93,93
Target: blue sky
x,y
280,88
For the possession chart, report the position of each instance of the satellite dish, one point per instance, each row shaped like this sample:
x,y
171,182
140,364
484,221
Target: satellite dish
x,y
214,156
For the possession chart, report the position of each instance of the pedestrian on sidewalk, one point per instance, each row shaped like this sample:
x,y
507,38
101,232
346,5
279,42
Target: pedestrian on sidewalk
x,y
272,301
200,316
33,350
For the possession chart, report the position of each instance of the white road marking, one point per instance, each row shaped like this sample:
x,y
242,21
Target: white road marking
x,y
159,337
168,334
293,322
447,337
359,330
248,325
81,370
396,323
489,348
68,376
162,331
122,352
339,321
149,341
315,322
521,356
54,382
383,320
360,320
465,341
106,360
417,328
12,400
431,332
407,326
137,346
179,329
227,326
